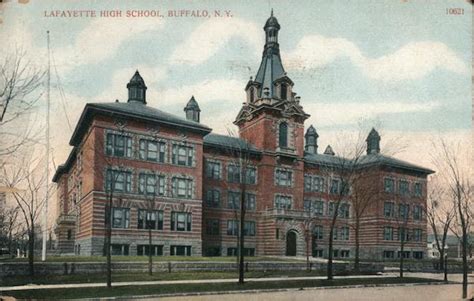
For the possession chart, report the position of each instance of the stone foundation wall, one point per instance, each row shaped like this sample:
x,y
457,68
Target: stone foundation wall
x,y
53,268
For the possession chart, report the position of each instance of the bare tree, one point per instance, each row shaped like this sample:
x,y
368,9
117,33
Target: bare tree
x,y
341,174
440,214
8,226
20,83
364,193
27,177
454,165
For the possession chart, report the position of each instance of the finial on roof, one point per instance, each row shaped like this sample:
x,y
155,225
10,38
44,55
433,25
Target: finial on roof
x,y
271,14
329,151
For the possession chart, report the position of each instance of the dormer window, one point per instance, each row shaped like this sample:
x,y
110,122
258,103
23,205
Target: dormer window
x,y
283,91
283,135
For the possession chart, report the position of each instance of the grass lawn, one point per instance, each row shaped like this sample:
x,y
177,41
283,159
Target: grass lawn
x,y
145,259
182,288
143,276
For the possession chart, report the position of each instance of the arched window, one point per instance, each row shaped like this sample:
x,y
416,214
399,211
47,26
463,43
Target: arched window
x,y
283,134
252,95
284,91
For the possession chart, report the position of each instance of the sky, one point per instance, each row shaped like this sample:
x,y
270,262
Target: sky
x,y
404,66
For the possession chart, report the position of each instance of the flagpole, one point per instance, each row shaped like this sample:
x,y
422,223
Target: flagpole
x,y
45,208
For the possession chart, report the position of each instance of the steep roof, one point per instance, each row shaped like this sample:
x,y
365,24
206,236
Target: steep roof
x,y
229,143
133,110
364,161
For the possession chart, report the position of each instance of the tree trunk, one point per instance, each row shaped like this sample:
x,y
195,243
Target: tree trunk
x,y
150,257
307,251
31,250
329,267
402,245
465,266
357,247
241,246
441,260
108,238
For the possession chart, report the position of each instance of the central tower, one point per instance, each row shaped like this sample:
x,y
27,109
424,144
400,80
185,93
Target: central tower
x,y
272,117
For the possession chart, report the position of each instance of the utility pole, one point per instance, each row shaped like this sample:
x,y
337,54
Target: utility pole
x,y
45,208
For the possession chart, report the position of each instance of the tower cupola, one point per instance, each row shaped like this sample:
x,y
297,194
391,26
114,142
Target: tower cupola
x,y
137,89
192,110
373,142
311,140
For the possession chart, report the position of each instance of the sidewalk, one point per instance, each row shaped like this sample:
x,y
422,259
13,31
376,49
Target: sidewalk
x,y
163,282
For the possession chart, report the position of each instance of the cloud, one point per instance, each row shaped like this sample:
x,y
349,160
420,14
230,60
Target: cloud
x,y
101,38
330,114
412,61
204,92
211,36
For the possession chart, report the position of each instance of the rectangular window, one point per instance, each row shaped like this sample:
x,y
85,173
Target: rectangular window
x,y
213,170
212,227
335,186
182,187
318,253
235,251
345,254
318,232
233,173
182,155
417,212
283,177
119,145
403,234
389,185
319,184
249,228
334,234
151,184
152,150
118,181
388,233
417,235
389,254
180,250
283,202
406,254
181,221
331,208
250,201
307,183
144,250
120,218
389,209
251,175
150,219
403,187
418,254
345,233
213,198
233,227
403,211
119,249
344,210
233,200
315,207
417,189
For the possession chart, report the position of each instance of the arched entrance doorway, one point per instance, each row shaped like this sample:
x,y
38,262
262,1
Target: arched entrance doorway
x,y
291,243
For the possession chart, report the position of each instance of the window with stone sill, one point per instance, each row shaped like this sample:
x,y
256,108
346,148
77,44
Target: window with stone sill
x,y
181,221
118,145
118,181
182,187
213,198
283,202
152,150
283,177
121,218
213,170
150,219
182,155
151,184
